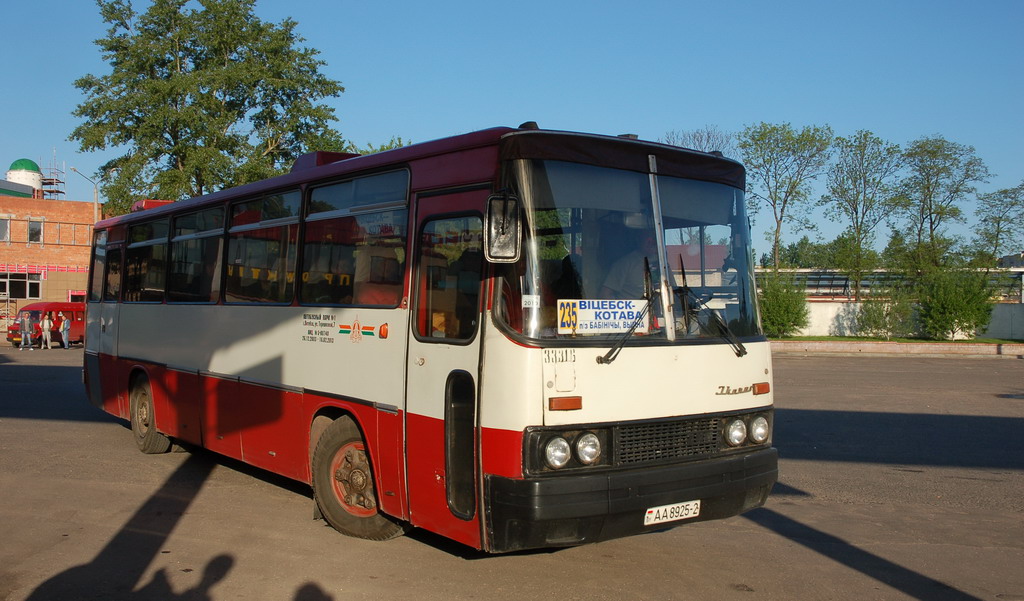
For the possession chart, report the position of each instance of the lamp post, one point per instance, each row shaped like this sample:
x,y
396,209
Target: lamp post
x,y
95,196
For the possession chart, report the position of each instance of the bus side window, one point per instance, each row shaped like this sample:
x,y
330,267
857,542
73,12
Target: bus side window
x,y
450,262
196,262
96,274
263,243
508,301
355,260
263,269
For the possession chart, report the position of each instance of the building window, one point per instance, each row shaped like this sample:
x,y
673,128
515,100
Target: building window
x,y
5,229
22,286
35,232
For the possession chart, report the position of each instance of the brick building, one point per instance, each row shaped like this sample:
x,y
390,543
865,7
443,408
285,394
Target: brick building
x,y
44,244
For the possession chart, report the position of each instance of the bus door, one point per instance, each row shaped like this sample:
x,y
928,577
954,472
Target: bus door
x,y
111,302
102,334
444,366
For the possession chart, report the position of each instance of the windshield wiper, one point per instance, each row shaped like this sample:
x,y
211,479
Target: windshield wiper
x,y
686,295
648,294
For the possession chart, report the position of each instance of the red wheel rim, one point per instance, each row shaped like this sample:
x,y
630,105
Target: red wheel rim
x,y
352,481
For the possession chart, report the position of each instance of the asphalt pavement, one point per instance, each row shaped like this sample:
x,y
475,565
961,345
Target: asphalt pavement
x,y
900,478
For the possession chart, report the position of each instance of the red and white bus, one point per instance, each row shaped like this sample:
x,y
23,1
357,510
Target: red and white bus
x,y
514,338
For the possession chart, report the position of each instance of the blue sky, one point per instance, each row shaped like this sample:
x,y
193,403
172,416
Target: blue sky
x,y
424,70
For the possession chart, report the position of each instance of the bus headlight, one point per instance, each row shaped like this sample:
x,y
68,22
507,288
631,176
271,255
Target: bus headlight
x,y
759,430
557,453
588,449
736,432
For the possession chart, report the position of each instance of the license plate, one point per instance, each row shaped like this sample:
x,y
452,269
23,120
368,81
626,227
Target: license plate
x,y
671,513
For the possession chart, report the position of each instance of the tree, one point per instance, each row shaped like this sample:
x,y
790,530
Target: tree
x,y
783,301
942,174
781,163
862,192
1000,224
707,139
854,259
803,254
904,254
201,99
394,142
954,303
886,313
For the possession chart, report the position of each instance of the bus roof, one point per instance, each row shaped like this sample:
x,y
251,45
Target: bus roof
x,y
525,142
309,170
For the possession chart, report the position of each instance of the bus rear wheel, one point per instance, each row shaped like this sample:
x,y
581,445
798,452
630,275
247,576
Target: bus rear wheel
x,y
343,485
142,418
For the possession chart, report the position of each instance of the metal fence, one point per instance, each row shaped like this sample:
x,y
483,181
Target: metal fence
x,y
825,284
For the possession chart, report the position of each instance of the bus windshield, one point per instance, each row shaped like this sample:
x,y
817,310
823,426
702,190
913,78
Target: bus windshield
x,y
594,266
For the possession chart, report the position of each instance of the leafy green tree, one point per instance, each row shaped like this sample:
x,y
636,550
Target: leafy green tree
x,y
862,193
853,258
1000,224
199,99
886,313
942,175
394,142
781,163
954,303
804,254
784,309
903,254
797,254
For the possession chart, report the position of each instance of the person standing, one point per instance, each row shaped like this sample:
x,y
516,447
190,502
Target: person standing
x,y
65,329
26,331
44,328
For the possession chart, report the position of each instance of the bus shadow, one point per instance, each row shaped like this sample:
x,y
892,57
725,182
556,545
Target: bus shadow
x,y
785,490
46,392
250,471
116,572
119,566
891,574
967,441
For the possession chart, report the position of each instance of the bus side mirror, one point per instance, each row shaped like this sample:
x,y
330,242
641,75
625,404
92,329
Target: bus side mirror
x,y
503,228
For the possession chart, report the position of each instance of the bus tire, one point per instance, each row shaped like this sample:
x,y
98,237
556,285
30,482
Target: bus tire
x,y
343,485
147,438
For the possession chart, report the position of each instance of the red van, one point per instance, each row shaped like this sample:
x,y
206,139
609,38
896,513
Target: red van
x,y
73,311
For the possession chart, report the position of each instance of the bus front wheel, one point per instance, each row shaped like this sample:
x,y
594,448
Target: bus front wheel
x,y
343,485
143,426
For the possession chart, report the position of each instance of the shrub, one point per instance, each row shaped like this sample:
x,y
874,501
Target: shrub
x,y
783,303
886,314
954,303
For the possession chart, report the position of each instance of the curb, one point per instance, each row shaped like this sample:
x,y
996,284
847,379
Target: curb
x,y
1009,351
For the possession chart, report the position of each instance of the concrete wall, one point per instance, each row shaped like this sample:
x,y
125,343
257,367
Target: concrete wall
x,y
1007,322
840,319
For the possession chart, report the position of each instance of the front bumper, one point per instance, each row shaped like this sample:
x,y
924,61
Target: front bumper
x,y
558,511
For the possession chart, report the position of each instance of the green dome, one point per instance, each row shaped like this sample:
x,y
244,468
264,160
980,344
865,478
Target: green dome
x,y
24,165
